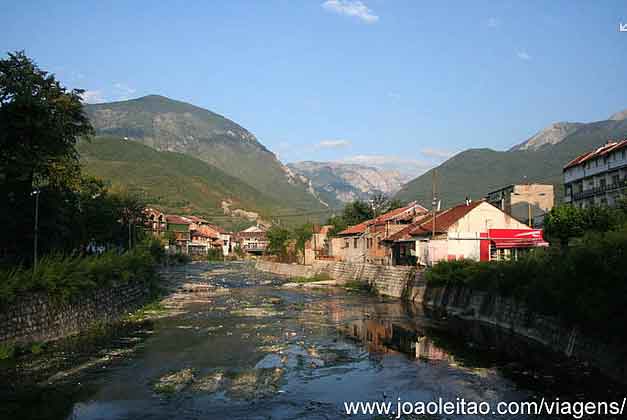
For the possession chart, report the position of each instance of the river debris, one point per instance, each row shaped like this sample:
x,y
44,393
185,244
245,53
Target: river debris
x,y
174,382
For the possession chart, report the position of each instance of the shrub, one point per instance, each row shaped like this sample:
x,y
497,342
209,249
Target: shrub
x,y
65,276
585,286
215,254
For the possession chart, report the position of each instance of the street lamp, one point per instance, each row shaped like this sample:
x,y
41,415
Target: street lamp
x,y
36,193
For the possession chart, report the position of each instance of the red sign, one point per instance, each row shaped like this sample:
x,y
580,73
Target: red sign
x,y
517,238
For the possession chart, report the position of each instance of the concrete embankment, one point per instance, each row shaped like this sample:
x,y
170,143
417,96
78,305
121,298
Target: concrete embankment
x,y
395,281
515,318
38,317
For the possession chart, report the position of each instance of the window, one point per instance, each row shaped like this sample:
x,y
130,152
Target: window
x,y
355,243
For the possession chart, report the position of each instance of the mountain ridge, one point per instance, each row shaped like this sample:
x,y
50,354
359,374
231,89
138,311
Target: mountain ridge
x,y
339,182
475,172
166,124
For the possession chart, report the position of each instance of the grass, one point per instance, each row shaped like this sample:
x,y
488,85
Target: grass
x,y
7,350
360,286
150,310
312,279
63,277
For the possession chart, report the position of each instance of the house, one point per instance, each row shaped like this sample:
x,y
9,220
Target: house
x,y
349,244
253,240
387,224
527,203
473,230
598,177
318,246
155,221
203,238
179,228
214,235
364,242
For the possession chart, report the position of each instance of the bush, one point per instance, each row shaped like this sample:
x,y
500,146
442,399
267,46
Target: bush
x,y
584,286
215,254
66,276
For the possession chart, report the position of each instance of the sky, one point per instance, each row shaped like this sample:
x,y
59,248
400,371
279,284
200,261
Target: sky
x,y
403,83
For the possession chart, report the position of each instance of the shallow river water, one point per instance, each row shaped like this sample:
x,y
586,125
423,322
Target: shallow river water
x,y
235,343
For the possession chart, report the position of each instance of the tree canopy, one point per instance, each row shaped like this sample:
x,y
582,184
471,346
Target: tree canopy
x,y
41,123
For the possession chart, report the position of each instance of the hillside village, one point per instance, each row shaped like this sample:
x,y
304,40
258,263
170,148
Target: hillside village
x,y
502,226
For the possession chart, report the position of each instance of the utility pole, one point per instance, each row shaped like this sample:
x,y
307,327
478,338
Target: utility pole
x,y
434,210
434,202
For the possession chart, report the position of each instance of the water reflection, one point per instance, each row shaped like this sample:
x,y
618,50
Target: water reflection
x,y
239,346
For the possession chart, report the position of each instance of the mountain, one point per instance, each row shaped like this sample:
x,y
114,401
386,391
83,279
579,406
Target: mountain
x,y
552,134
172,181
338,183
622,115
475,172
168,125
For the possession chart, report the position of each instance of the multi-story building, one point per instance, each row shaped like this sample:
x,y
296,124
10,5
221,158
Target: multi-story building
x,y
527,203
598,177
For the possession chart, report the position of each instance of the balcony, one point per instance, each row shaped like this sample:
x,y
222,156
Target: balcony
x,y
599,190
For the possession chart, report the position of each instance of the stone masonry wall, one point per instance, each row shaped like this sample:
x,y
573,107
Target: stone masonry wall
x,y
37,317
396,281
515,317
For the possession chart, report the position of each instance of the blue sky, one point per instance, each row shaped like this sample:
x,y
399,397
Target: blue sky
x,y
405,82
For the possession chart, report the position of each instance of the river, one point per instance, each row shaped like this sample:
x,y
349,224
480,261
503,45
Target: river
x,y
233,343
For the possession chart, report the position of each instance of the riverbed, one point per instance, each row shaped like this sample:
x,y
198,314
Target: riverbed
x,y
232,343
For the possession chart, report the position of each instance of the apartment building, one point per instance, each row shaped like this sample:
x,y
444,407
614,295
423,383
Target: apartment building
x,y
527,203
598,177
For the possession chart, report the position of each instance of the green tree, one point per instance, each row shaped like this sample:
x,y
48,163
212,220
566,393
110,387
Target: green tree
x,y
278,238
40,124
381,204
563,223
302,234
356,212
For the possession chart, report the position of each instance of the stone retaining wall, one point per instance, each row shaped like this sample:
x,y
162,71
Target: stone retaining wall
x,y
396,281
37,317
516,318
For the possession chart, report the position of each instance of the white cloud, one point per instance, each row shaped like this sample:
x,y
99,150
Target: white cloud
x,y
523,55
493,22
123,91
333,144
436,153
353,8
93,97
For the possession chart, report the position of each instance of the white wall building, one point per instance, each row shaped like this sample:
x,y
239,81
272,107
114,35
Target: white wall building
x,y
598,177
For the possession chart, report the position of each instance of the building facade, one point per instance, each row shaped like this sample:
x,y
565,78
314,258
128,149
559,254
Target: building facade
x,y
364,242
253,240
527,203
598,177
474,230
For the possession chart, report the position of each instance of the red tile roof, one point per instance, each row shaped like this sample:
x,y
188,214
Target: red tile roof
x,y
396,214
356,230
178,220
204,233
599,152
443,220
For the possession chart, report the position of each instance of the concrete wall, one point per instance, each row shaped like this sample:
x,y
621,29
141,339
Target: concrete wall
x,y
396,281
512,316
37,317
